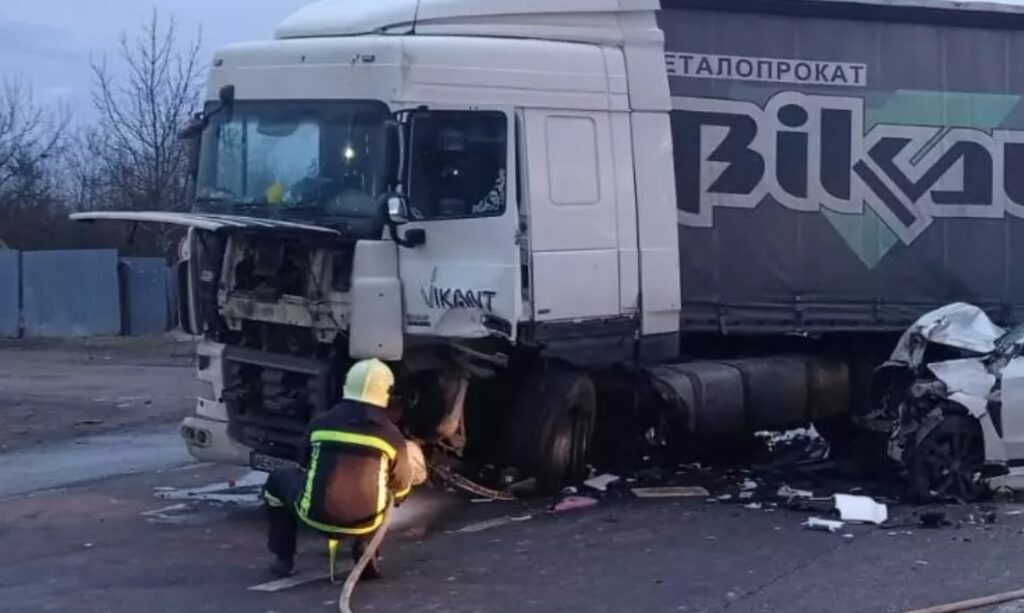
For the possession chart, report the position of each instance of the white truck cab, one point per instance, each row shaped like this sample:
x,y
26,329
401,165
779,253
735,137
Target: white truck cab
x,y
450,185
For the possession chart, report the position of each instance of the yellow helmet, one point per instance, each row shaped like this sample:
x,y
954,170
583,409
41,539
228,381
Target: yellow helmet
x,y
370,381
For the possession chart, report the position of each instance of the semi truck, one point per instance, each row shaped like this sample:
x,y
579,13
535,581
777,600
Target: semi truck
x,y
540,213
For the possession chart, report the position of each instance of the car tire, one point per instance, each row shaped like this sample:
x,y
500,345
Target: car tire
x,y
948,462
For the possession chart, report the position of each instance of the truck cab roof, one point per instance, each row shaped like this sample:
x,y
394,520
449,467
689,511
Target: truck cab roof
x,y
601,21
592,21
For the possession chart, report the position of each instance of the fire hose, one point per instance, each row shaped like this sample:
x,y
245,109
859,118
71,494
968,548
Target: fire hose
x,y
448,476
345,600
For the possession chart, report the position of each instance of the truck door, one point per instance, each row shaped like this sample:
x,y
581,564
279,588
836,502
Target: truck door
x,y
571,175
465,281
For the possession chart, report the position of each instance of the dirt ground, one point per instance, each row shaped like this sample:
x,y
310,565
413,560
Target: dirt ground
x,y
57,390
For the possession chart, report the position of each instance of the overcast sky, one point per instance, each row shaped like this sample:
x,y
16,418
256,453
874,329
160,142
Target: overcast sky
x,y
49,41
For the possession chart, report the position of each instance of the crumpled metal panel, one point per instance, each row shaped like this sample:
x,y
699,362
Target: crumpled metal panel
x,y
959,325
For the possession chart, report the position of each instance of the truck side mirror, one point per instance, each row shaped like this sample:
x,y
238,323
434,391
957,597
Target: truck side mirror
x,y
398,210
194,128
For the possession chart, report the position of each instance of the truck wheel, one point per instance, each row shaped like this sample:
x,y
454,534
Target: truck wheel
x,y
948,462
552,426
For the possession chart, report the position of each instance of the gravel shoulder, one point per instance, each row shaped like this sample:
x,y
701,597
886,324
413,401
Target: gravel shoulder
x,y
57,390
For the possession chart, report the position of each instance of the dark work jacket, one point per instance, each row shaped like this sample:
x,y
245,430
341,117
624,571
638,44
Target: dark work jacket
x,y
355,460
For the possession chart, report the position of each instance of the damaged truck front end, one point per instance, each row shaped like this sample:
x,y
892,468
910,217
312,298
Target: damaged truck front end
x,y
939,398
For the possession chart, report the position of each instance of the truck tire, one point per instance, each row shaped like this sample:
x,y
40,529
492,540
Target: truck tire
x,y
552,426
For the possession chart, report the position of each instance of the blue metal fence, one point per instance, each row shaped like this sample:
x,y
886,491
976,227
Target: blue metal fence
x,y
70,293
10,293
145,296
83,293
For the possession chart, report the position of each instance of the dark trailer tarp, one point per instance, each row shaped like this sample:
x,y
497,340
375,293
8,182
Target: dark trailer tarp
x,y
846,166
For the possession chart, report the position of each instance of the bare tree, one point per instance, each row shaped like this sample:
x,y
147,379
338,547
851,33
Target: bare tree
x,y
29,135
31,139
140,114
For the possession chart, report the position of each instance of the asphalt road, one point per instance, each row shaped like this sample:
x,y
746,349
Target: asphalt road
x,y
155,542
135,527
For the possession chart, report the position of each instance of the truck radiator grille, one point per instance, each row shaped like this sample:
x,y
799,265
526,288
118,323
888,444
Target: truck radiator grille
x,y
271,398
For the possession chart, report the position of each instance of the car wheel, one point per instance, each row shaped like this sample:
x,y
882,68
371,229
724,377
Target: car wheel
x,y
948,461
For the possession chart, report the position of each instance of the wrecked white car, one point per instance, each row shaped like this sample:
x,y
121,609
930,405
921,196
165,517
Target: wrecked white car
x,y
952,396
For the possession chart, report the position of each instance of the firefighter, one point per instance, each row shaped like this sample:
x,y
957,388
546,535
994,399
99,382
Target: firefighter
x,y
355,462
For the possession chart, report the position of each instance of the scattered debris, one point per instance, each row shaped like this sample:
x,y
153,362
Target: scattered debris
x,y
491,523
245,492
861,509
754,506
453,479
601,482
826,525
934,519
167,515
573,503
789,493
89,422
849,536
671,492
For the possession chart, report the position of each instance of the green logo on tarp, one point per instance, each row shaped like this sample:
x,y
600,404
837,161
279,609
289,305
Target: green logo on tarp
x,y
866,234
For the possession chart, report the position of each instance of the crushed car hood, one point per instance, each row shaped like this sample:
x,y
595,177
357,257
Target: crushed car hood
x,y
199,221
959,325
969,376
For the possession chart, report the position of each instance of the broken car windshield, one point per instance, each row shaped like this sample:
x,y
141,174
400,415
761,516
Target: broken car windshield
x,y
290,159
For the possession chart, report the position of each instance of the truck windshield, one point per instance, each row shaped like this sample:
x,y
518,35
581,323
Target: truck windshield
x,y
308,161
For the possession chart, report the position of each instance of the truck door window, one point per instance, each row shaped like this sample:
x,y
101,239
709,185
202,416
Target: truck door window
x,y
459,165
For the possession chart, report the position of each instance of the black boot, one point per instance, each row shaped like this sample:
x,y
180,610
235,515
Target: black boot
x,y
283,567
374,570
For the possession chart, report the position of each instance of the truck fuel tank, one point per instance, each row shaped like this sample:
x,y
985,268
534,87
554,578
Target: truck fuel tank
x,y
732,397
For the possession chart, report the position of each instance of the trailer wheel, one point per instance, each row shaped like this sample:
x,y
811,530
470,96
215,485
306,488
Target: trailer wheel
x,y
552,426
948,462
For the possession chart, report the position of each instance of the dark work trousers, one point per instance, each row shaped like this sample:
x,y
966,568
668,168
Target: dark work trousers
x,y
281,494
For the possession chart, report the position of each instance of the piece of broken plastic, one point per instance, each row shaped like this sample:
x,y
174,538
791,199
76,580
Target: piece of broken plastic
x,y
789,493
861,509
574,502
601,482
826,525
671,492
